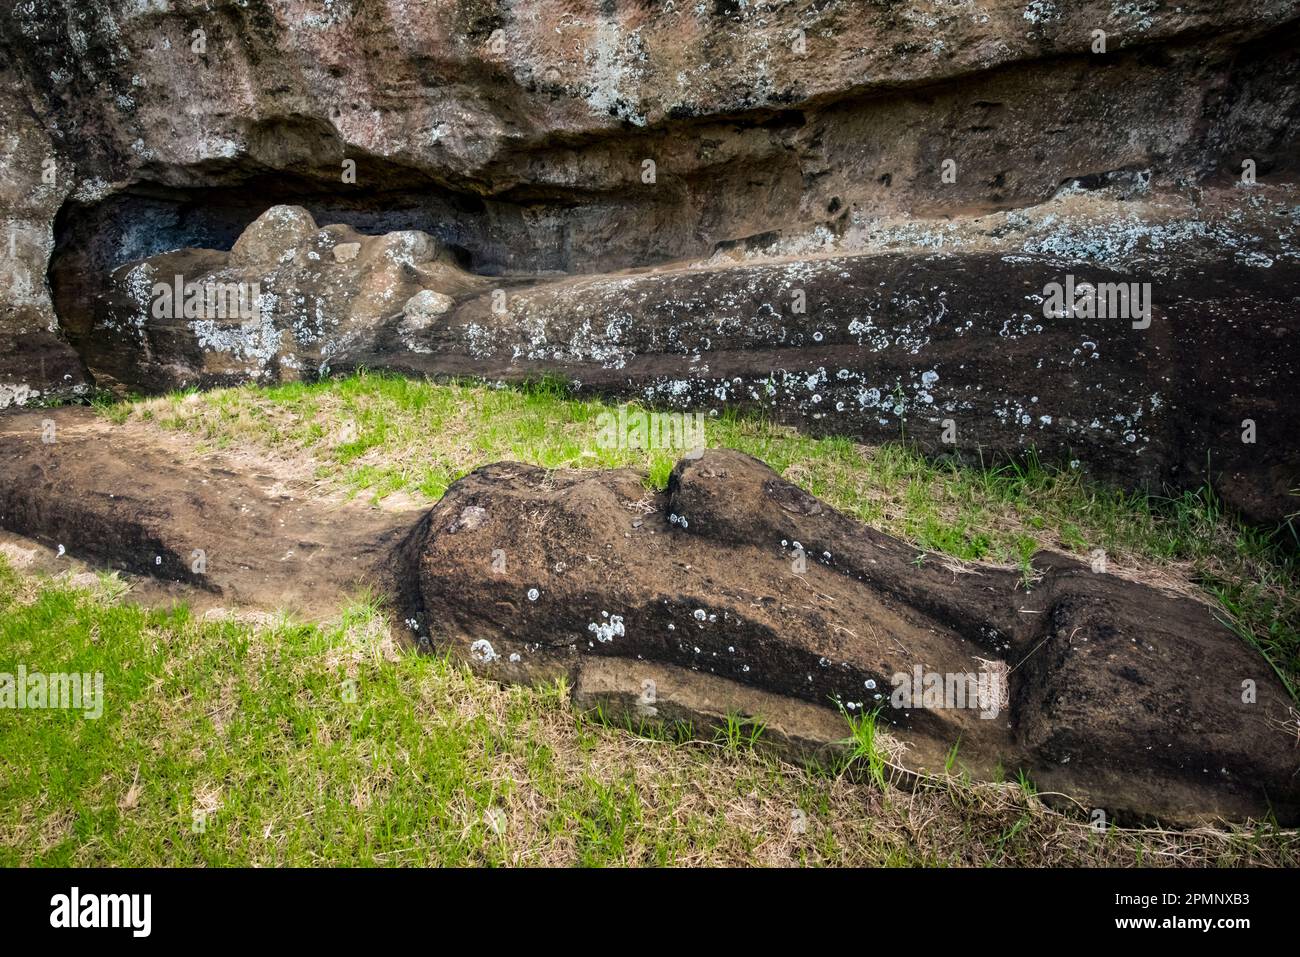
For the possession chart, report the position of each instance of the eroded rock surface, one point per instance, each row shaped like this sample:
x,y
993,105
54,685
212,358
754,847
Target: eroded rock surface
x,y
1126,698
734,592
285,300
236,535
637,196
536,137
951,350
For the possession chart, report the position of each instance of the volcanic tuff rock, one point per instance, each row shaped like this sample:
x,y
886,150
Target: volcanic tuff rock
x,y
276,308
541,136
734,579
519,131
952,351
130,501
733,592
844,213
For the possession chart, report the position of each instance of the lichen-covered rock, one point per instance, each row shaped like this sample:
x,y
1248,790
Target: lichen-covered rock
x,y
274,237
737,593
957,351
732,593
36,363
961,352
522,129
535,137
279,307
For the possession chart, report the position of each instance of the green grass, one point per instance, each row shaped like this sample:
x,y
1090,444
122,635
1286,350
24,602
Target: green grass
x,y
739,732
224,744
280,742
283,743
381,435
866,749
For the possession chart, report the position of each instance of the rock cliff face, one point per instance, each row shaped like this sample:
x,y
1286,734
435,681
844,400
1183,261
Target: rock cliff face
x,y
913,174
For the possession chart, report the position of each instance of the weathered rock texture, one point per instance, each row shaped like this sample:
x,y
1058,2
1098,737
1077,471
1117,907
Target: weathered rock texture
x,y
693,605
952,351
281,305
546,135
1116,693
240,536
35,360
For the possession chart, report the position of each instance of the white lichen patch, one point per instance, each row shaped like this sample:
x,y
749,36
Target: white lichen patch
x,y
606,631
